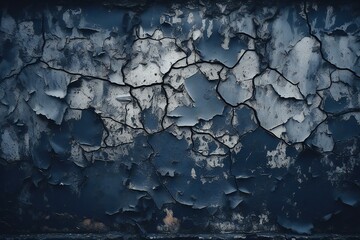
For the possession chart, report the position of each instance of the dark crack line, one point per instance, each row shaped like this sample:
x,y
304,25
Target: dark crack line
x,y
321,46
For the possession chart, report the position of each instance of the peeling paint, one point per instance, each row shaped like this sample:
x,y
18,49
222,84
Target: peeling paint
x,y
164,119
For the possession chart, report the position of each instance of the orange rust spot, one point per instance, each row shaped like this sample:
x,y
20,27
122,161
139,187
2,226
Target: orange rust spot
x,y
172,224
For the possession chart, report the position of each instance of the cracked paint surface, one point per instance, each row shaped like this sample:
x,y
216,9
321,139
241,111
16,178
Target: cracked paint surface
x,y
167,118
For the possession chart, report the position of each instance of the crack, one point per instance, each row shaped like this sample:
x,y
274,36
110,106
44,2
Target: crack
x,y
15,75
331,82
150,159
194,131
166,106
222,136
349,110
266,130
294,84
319,41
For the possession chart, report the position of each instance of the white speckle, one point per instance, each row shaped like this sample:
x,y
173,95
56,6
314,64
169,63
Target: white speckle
x,y
214,161
190,18
196,34
176,18
277,158
330,18
237,217
237,148
225,44
193,173
209,29
221,7
225,227
263,218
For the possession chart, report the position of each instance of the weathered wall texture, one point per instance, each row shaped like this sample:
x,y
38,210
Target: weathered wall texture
x,y
199,117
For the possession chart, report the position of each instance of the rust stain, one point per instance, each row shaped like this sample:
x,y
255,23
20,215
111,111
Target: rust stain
x,y
172,224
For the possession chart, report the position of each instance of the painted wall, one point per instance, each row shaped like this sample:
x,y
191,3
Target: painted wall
x,y
188,118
